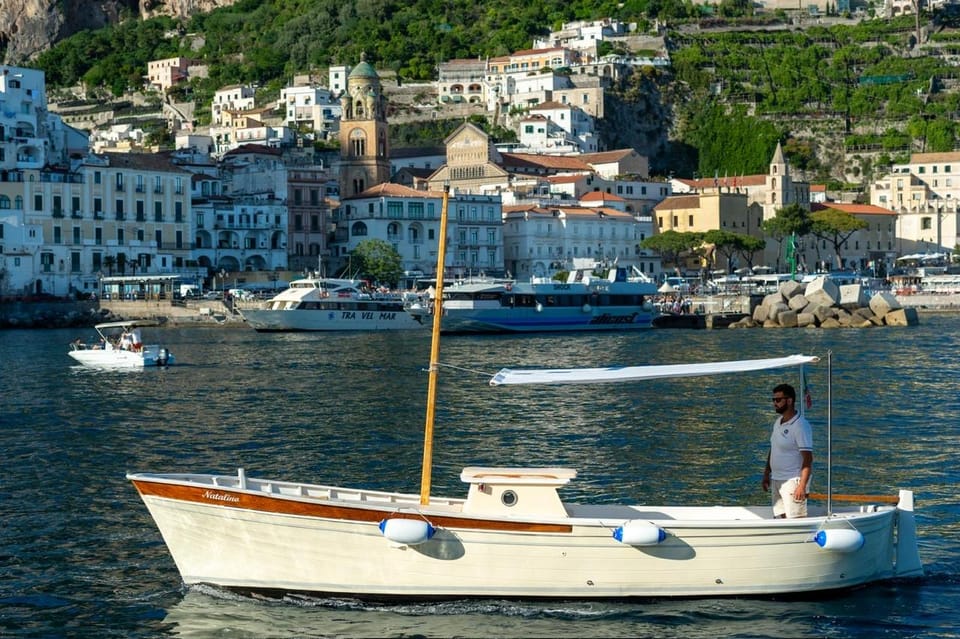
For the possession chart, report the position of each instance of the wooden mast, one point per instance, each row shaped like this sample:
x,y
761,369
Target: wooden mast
x,y
434,353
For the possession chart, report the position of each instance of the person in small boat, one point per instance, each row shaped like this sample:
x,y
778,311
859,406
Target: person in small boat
x,y
126,341
790,460
136,340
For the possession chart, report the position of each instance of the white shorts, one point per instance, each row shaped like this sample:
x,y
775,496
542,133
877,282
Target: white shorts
x,y
783,501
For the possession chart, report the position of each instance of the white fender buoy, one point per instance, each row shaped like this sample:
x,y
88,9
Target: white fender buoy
x,y
639,533
539,307
839,540
407,531
587,308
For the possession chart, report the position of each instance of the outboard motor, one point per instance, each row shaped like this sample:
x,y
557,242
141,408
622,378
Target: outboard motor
x,y
162,357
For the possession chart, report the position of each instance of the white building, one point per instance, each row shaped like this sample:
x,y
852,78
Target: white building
x,y
462,80
310,107
410,221
337,79
233,98
541,240
583,35
925,193
240,215
553,127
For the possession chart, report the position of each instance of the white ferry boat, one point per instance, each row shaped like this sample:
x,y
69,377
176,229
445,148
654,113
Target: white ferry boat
x,y
330,304
583,303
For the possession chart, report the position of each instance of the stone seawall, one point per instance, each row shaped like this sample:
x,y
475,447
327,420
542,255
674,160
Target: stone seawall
x,y
64,314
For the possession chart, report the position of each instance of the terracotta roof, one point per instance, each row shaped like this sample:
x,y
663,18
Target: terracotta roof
x,y
551,105
731,181
678,202
853,209
818,188
389,189
564,179
607,156
920,158
600,196
546,162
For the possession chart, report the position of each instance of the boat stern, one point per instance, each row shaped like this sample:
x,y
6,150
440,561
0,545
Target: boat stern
x,y
907,552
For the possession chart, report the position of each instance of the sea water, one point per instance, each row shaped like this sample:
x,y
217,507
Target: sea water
x,y
80,556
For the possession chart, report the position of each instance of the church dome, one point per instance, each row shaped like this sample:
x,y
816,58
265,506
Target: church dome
x,y
363,70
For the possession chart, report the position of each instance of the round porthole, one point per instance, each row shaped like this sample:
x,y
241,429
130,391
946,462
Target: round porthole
x,y
509,498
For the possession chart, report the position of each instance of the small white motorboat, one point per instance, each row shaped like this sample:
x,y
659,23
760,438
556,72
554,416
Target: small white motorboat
x,y
120,345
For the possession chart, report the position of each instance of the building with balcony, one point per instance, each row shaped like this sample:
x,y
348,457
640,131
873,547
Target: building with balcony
x,y
310,108
925,195
409,220
103,214
541,239
462,80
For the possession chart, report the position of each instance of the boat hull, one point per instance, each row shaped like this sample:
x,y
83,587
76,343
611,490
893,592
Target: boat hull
x,y
151,356
546,320
281,537
292,320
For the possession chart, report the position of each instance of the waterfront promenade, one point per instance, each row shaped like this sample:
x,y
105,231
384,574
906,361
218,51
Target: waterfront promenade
x,y
51,314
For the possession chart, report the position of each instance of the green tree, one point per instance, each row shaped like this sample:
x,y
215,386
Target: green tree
x,y
672,244
791,219
377,261
728,244
836,227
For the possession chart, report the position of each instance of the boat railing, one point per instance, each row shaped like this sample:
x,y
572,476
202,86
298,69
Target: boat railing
x,y
314,491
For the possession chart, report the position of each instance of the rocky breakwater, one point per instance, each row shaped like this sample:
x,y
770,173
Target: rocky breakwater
x,y
823,304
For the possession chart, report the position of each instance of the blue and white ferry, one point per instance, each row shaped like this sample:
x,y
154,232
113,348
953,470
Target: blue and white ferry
x,y
584,302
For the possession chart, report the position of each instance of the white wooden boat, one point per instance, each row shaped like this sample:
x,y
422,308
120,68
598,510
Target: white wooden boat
x,y
120,345
513,535
330,304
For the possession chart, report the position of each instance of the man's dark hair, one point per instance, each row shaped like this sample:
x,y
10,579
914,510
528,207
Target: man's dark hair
x,y
786,390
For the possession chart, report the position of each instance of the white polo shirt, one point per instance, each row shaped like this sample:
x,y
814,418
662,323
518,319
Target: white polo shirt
x,y
786,442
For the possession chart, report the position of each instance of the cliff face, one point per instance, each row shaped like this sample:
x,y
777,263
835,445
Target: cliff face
x,y
29,27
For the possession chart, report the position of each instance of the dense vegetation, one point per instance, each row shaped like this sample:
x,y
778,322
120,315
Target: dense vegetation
x,y
732,94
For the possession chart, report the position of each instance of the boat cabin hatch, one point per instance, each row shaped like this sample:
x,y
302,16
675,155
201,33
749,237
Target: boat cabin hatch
x,y
515,492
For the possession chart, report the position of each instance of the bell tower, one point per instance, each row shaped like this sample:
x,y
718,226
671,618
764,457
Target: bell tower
x,y
364,148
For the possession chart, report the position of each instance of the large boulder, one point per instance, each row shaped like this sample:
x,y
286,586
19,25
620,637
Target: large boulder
x,y
884,302
806,319
774,311
823,291
760,313
787,318
798,303
790,289
902,317
852,296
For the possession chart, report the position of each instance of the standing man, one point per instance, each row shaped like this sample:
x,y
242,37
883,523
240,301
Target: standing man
x,y
790,459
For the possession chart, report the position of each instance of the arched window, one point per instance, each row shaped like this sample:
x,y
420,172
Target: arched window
x,y
358,228
4,202
358,143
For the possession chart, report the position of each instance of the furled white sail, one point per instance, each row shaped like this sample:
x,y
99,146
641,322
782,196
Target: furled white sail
x,y
635,373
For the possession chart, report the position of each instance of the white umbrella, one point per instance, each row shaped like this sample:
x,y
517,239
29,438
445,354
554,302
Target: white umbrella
x,y
666,288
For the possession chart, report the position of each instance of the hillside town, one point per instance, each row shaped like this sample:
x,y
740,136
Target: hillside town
x,y
249,197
